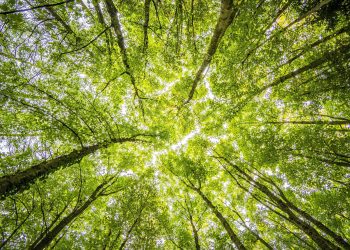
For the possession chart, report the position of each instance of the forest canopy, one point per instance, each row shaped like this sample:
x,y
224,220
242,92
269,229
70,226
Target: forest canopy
x,y
183,124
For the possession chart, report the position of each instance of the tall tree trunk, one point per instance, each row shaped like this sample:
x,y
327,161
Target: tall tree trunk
x,y
328,161
234,238
328,56
323,40
101,20
227,13
285,205
17,182
195,234
300,18
131,229
113,13
313,122
145,25
267,245
50,236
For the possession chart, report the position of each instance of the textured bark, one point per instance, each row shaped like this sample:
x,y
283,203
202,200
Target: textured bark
x,y
227,13
17,182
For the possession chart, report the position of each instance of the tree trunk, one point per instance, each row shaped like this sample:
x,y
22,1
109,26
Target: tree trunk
x,y
50,236
195,234
286,207
18,182
313,122
234,238
328,161
145,25
130,230
328,56
323,40
227,13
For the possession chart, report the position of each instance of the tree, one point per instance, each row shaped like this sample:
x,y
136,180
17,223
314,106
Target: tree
x,y
186,124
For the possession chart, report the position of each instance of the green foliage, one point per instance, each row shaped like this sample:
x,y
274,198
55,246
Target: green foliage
x,y
269,115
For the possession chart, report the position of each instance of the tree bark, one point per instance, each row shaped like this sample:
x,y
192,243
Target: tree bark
x,y
18,182
130,230
328,161
300,18
195,234
227,13
324,39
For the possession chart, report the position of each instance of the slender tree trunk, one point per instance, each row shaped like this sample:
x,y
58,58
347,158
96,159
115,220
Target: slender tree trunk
x,y
234,238
313,122
286,207
101,20
227,13
145,25
323,40
267,245
259,43
114,15
59,19
130,230
50,236
320,225
195,233
17,182
328,56
333,162
300,18
57,217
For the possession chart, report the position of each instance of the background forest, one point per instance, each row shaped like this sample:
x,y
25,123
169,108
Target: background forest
x,y
183,124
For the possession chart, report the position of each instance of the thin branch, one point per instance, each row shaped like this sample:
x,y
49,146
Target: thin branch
x,y
90,42
35,7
